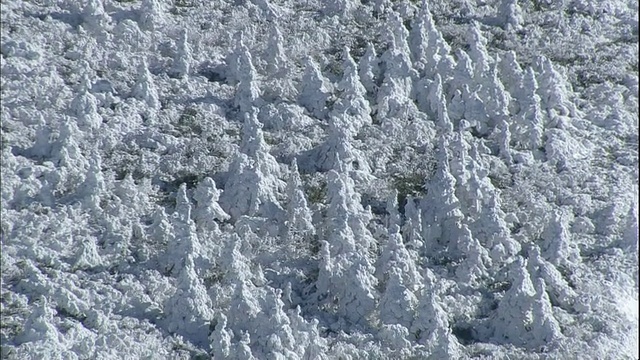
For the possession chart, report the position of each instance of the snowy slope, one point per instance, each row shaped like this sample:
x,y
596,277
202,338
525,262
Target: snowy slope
x,y
319,179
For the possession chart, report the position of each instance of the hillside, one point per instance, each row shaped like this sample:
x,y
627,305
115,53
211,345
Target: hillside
x,y
319,179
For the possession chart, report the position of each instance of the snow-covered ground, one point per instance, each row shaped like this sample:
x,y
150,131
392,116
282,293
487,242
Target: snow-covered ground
x,y
343,179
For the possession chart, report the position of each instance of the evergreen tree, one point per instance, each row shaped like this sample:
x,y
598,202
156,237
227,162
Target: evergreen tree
x,y
208,210
510,15
314,90
182,61
95,16
151,15
395,256
438,106
431,327
369,70
248,92
393,215
189,310
352,100
299,224
552,89
478,53
545,326
85,107
397,303
221,339
145,89
513,318
530,121
557,246
559,291
431,53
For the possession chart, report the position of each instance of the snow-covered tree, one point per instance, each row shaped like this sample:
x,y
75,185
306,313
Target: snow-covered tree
x,y
220,338
248,92
510,15
85,107
314,90
395,256
299,223
474,268
478,53
530,121
95,16
557,245
182,61
145,88
398,302
189,310
545,327
393,215
369,70
352,100
553,90
151,15
431,53
431,327
208,210
559,291
438,106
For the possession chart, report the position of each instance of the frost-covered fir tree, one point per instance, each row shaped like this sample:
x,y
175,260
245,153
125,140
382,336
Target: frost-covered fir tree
x,y
208,211
220,338
299,223
254,145
398,302
431,327
151,15
395,256
314,90
557,246
431,53
545,327
369,70
278,68
94,185
352,100
553,90
85,107
412,227
530,121
183,58
186,240
513,318
630,233
441,215
510,15
478,53
393,215
438,106
189,310
559,291
95,16
248,92
40,326
145,88
512,75
476,261
274,326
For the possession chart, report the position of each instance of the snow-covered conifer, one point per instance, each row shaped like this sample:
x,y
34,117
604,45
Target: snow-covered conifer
x,y
145,88
189,310
182,61
242,350
630,234
352,99
514,314
478,53
88,256
545,326
431,53
233,59
463,72
504,140
276,58
431,326
314,90
393,215
185,242
395,256
299,217
85,107
94,15
247,91
476,261
557,245
553,89
151,15
40,324
512,74
412,227
161,230
244,307
94,185
438,106
560,292
221,339
510,15
208,210
398,302
369,69
530,121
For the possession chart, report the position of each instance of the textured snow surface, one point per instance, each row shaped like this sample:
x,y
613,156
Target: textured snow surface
x,y
276,179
